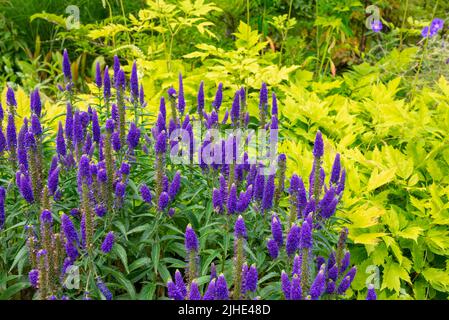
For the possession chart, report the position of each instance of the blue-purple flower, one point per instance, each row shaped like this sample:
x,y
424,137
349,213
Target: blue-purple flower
x,y
108,242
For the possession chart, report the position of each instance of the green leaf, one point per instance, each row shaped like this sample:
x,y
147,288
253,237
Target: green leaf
x,y
379,179
439,279
121,252
392,275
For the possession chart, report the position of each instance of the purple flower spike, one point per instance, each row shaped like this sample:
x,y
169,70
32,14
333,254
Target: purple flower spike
x,y
175,185
217,200
125,168
115,140
26,189
235,109
292,240
133,136
134,81
274,105
181,99
336,167
11,134
318,147
161,143
221,288
319,285
267,200
60,142
107,84
84,167
240,228
120,189
345,262
232,200
371,295
200,99
191,240
273,248
98,80
296,291
11,97
276,230
46,217
163,201
53,180
263,96
251,279
108,242
179,281
306,236
33,276
173,291
210,291
103,289
2,207
100,210
218,97
194,293
286,285
96,131
296,269
145,193
66,67
35,103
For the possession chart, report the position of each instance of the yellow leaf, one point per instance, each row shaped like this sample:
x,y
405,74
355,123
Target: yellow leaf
x,y
379,179
369,238
410,233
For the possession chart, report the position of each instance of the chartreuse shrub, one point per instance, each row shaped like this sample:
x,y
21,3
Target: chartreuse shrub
x,y
106,197
393,147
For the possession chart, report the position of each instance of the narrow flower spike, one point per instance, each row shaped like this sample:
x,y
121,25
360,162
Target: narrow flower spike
x,y
53,180
181,99
145,193
293,240
2,207
286,285
175,185
66,67
98,80
191,240
267,200
306,236
106,84
108,242
163,201
318,147
194,292
221,288
96,131
210,291
133,136
60,141
273,248
371,295
35,103
200,99
274,105
103,289
218,97
232,200
173,291
33,277
134,82
251,279
235,109
11,97
179,281
318,285
336,167
161,143
276,230
296,291
240,228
